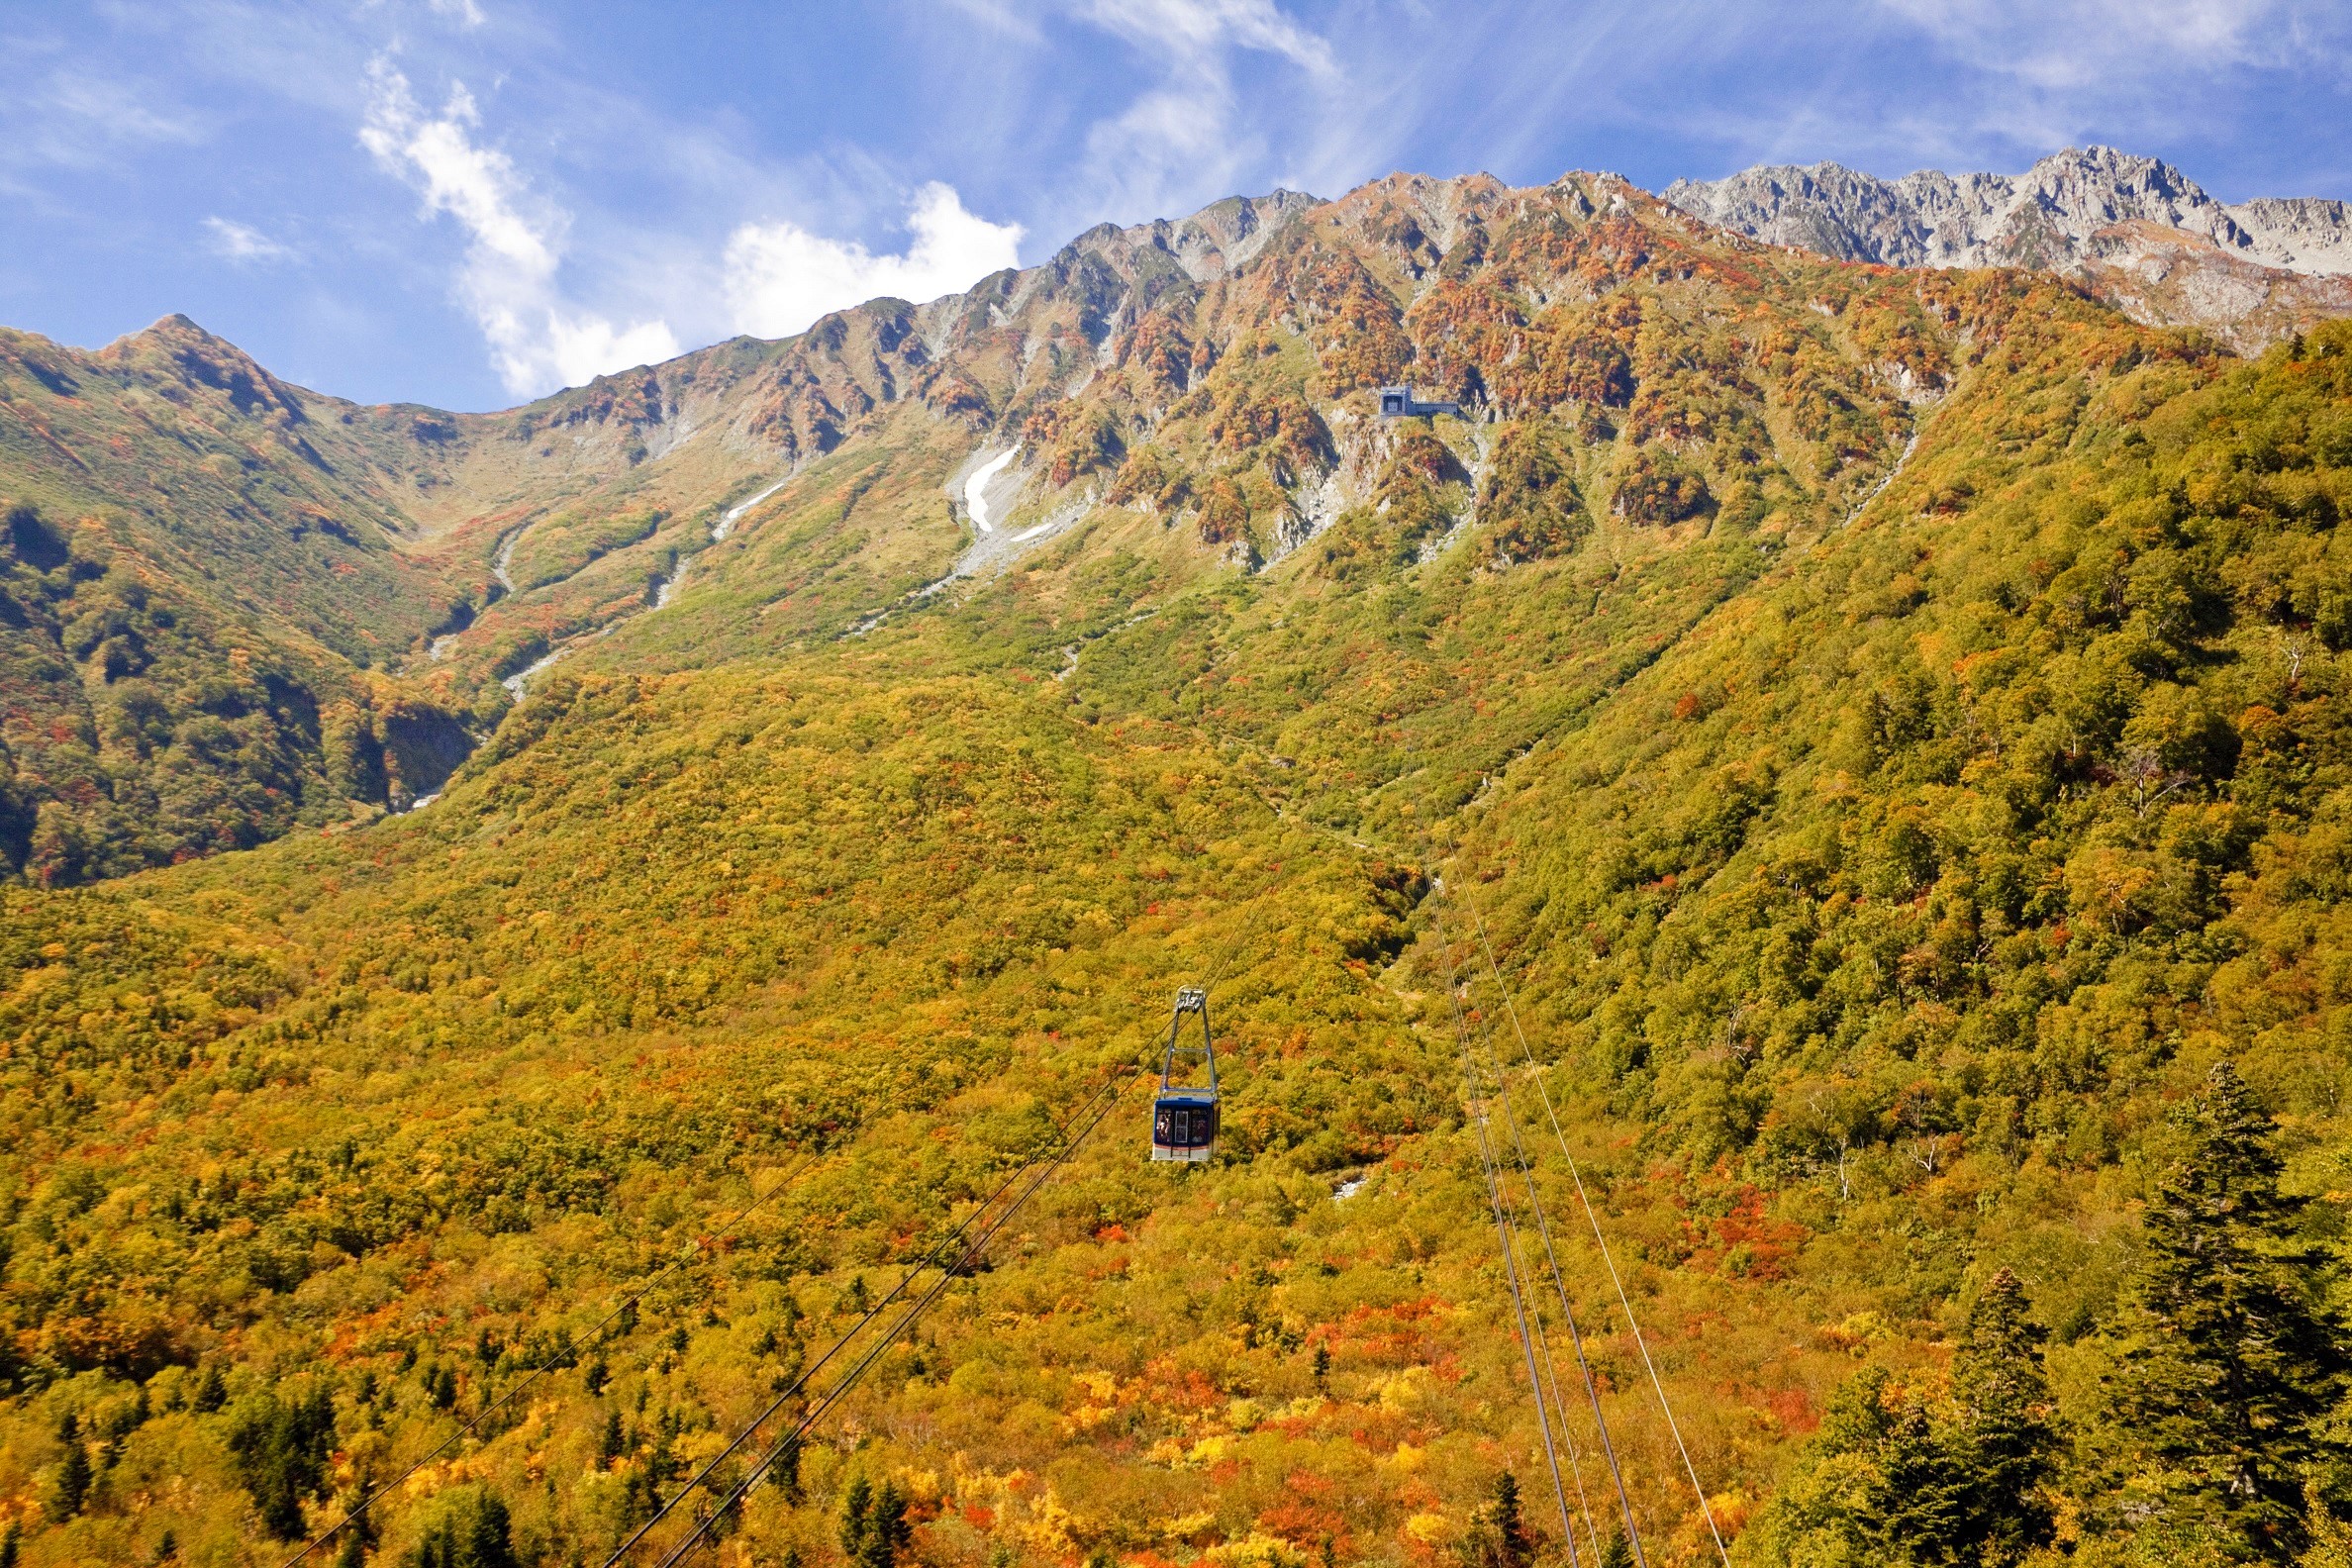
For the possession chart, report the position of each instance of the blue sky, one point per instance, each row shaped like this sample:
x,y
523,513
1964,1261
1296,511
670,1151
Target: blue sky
x,y
468,202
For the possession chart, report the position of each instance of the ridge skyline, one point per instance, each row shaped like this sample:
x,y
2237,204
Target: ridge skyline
x,y
1819,215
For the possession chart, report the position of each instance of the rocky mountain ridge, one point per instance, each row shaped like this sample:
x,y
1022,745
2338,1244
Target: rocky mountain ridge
x,y
2047,217
2136,230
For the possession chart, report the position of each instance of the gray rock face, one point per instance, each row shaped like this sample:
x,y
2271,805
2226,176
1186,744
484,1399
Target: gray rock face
x,y
2049,218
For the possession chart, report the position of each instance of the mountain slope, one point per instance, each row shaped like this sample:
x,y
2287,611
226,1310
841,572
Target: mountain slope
x,y
383,568
1886,721
287,610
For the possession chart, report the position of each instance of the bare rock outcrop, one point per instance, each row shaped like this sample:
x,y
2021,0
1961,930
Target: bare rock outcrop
x,y
2136,229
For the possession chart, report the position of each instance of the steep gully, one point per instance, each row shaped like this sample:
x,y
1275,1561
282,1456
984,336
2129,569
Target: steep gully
x,y
663,593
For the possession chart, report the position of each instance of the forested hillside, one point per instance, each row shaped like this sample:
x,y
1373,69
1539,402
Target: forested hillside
x,y
1860,746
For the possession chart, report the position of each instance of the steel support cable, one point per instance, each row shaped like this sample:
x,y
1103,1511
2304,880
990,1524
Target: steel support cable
x,y
848,1379
1640,1342
1584,1504
1584,1366
1503,1228
937,1250
1233,942
367,1500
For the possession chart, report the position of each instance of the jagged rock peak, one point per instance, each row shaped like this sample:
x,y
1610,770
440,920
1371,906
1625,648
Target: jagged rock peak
x,y
1212,242
2049,216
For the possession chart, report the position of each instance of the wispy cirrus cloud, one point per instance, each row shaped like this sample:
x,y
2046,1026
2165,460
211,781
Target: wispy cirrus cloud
x,y
537,339
1189,138
2041,74
1187,133
2074,44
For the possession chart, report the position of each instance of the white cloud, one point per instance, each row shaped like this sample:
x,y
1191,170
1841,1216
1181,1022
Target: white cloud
x,y
464,13
1197,28
2079,43
244,242
538,341
780,278
1188,139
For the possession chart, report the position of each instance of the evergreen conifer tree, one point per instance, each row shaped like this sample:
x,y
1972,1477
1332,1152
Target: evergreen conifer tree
x,y
612,1445
891,1534
211,1391
857,1509
1999,1442
786,1470
1920,1497
488,1539
1828,1513
1514,1546
2228,1354
1498,1537
874,1527
281,1453
73,1475
473,1532
2330,1539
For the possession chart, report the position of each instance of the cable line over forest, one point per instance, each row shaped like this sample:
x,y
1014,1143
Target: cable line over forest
x,y
1592,1218
563,1353
1091,1113
1486,1160
1519,1150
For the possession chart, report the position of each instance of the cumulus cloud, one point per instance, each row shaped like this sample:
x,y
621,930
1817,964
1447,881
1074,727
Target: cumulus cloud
x,y
780,278
242,243
537,339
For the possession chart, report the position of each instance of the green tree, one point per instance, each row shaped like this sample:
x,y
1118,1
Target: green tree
x,y
1498,1537
211,1391
74,1473
2227,1356
612,1445
472,1531
282,1452
2330,1537
786,1468
1999,1439
1827,1513
874,1527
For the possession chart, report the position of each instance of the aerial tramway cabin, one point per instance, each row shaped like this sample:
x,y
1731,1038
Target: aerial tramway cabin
x,y
1184,1117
